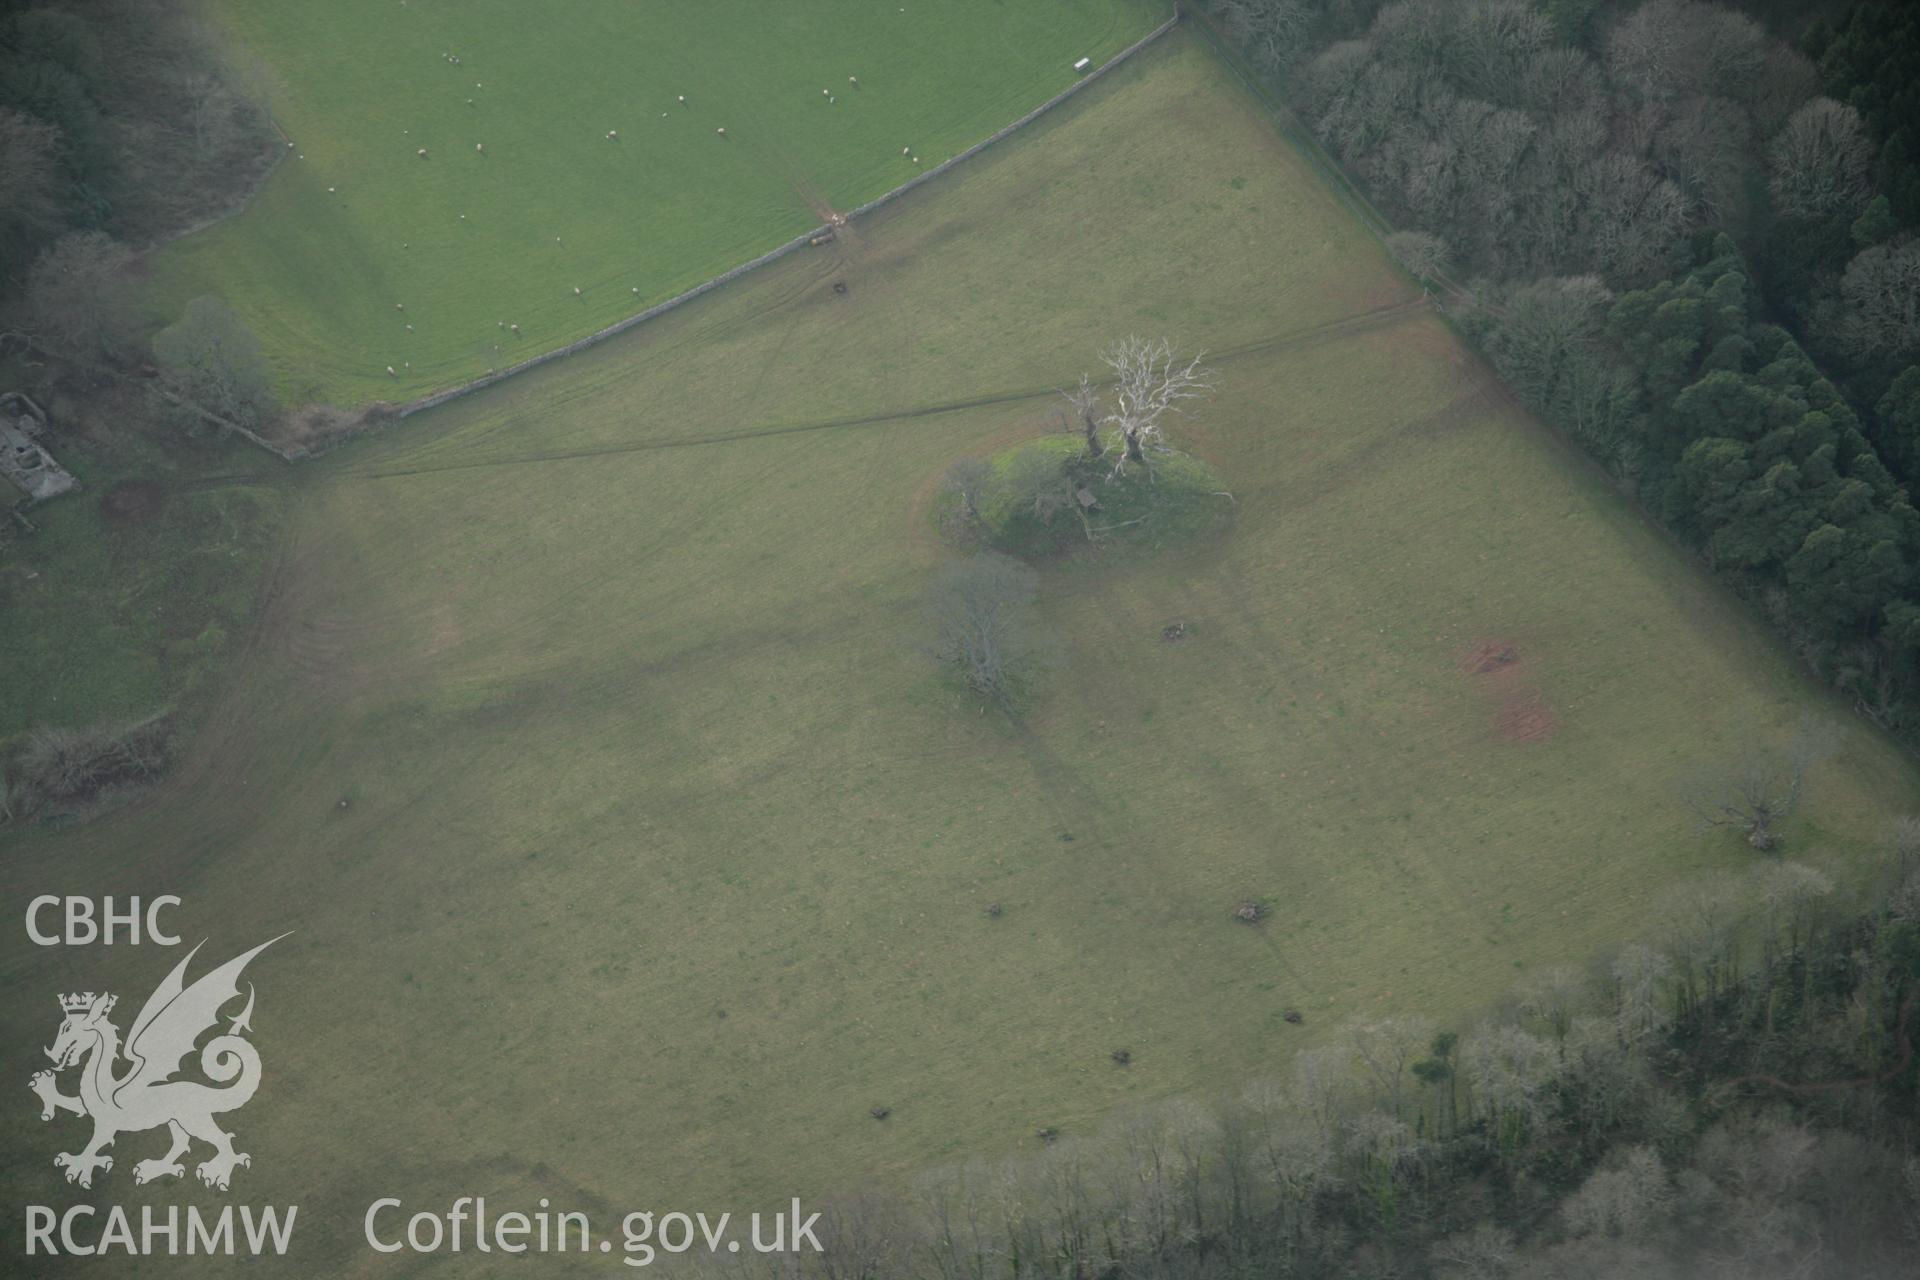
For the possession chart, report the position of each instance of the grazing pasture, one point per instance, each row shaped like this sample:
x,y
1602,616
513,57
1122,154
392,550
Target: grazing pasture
x,y
637,852
483,164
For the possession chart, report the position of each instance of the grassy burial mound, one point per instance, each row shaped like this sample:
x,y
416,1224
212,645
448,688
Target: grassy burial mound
x,y
592,745
516,179
1047,496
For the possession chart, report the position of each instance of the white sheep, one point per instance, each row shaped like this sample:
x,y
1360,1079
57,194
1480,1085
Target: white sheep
x,y
613,134
331,190
906,151
683,99
399,306
480,147
576,291
854,80
409,328
513,328
825,94
636,288
721,131
391,373
422,153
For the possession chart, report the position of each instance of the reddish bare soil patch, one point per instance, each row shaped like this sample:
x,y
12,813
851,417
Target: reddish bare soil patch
x,y
1525,718
1488,656
132,501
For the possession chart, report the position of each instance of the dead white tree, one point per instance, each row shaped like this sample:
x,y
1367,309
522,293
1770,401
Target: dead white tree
x,y
1148,382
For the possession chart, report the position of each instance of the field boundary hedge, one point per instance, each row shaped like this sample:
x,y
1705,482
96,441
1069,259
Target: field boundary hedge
x,y
439,398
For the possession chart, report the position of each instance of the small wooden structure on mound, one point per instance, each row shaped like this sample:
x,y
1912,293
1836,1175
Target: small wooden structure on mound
x,y
22,459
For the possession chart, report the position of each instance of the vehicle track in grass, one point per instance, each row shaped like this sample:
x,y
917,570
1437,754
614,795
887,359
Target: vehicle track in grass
x,y
1377,317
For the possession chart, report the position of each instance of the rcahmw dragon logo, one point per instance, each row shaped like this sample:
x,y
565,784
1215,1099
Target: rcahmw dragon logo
x,y
146,1096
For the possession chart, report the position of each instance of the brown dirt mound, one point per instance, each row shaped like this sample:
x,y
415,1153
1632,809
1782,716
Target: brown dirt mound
x,y
132,501
1488,656
1525,719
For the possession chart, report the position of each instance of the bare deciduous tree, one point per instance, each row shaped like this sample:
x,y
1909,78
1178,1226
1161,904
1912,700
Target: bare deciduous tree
x,y
212,359
1387,1047
30,197
80,296
967,480
1486,1252
1638,972
1755,792
1881,293
1819,162
1622,1200
1421,254
1790,893
1149,381
981,611
1085,400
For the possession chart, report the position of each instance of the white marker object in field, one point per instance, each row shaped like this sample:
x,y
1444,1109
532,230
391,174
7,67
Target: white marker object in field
x,y
1083,64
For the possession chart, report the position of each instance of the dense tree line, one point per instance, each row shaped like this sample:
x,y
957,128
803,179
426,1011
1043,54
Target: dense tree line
x,y
120,124
117,117
1732,1096
1682,240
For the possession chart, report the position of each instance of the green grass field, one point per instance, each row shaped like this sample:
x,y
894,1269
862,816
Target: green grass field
x,y
359,224
664,850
